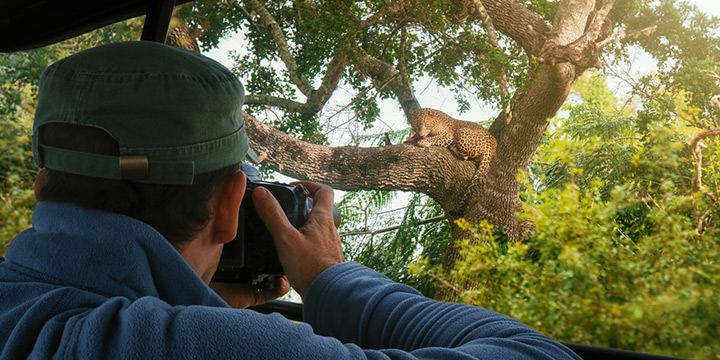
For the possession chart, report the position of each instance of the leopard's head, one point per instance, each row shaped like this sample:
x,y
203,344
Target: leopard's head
x,y
423,123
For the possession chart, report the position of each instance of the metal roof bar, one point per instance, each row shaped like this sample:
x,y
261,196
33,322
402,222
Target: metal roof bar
x,y
157,20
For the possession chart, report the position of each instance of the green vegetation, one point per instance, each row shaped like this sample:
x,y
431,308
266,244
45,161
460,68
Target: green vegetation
x,y
582,278
394,240
17,173
624,270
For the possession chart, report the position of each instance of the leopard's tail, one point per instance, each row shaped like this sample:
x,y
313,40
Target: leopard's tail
x,y
476,183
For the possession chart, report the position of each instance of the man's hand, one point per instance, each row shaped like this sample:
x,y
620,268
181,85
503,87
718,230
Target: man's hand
x,y
306,252
241,296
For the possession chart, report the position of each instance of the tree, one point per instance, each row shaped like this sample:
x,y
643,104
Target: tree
x,y
523,56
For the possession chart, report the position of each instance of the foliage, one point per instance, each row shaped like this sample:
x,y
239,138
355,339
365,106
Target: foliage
x,y
685,45
603,139
17,200
626,270
392,240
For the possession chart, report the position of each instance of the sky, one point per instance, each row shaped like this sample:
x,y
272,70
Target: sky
x,y
711,7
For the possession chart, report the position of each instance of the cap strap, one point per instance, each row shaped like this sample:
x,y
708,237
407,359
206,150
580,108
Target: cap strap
x,y
124,167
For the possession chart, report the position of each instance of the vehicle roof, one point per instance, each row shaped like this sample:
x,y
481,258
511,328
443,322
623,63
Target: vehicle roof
x,y
27,24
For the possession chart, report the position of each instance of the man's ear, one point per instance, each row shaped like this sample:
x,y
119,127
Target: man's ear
x,y
229,198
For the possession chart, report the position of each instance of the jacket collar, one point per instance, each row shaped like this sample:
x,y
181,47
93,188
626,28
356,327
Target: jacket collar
x,y
110,254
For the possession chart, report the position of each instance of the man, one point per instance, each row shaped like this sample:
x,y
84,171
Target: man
x,y
140,146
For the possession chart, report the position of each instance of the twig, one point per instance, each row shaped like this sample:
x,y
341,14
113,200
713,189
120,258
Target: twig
x,y
492,37
622,32
443,281
712,74
390,228
696,146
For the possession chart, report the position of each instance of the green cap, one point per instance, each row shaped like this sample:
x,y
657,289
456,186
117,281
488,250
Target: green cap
x,y
174,113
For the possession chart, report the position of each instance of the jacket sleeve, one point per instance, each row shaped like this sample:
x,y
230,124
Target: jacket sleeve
x,y
352,312
357,305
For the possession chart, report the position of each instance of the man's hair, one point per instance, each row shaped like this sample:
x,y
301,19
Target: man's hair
x,y
178,212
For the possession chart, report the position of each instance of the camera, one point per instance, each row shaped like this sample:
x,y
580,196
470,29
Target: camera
x,y
251,258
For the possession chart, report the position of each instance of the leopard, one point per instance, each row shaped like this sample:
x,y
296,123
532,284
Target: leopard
x,y
466,139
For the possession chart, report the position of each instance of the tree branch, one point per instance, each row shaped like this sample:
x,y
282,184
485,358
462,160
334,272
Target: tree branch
x,y
481,12
394,167
402,66
330,81
316,99
622,32
514,20
274,30
582,52
696,146
385,75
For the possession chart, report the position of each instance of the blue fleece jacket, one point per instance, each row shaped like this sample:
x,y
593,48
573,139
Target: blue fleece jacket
x,y
86,284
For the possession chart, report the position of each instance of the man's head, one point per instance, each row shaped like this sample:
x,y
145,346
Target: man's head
x,y
141,129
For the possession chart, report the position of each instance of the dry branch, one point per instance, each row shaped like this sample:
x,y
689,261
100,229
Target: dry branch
x,y
283,51
696,146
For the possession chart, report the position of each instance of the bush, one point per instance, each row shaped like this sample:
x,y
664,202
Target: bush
x,y
17,173
581,278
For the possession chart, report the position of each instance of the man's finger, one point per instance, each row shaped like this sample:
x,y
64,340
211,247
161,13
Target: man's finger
x,y
282,287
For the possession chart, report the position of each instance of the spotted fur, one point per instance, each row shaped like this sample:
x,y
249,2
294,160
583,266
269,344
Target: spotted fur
x,y
468,140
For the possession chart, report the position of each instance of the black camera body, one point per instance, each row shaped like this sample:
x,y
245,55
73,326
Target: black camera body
x,y
251,258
